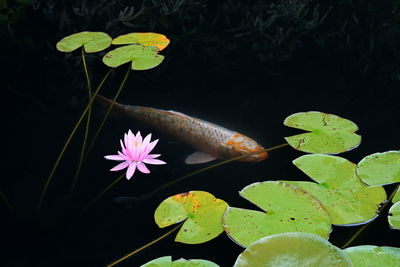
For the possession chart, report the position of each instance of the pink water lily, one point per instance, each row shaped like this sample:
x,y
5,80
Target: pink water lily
x,y
135,153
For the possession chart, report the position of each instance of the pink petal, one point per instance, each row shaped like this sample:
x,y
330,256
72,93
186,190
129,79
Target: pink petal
x,y
153,156
152,145
122,144
146,140
131,170
141,167
114,157
154,161
120,166
124,156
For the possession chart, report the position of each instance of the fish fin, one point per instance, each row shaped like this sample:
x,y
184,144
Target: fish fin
x,y
199,157
179,114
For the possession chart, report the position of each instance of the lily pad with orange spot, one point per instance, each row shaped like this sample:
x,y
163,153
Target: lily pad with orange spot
x,y
327,133
91,42
286,208
202,212
143,38
141,57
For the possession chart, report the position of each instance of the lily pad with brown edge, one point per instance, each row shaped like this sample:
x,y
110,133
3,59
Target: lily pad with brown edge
x,y
286,208
394,216
293,249
346,198
91,42
142,58
368,255
380,168
166,261
143,38
327,133
202,212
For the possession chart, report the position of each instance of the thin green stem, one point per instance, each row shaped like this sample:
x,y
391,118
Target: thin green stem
x,y
5,200
366,225
87,124
145,246
69,140
213,166
102,193
108,111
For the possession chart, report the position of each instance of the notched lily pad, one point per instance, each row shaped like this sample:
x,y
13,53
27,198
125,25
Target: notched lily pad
x,y
142,58
166,261
346,198
143,38
396,196
394,216
292,249
367,255
91,41
287,208
202,211
380,168
328,134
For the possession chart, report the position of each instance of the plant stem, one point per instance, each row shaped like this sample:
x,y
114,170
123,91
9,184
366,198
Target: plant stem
x,y
69,140
87,125
5,200
145,246
102,193
108,111
213,166
366,225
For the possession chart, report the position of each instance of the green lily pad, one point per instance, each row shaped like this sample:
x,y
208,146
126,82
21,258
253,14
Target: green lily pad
x,y
394,216
380,168
328,133
396,196
287,208
367,255
166,261
91,41
142,58
143,38
202,211
294,250
346,198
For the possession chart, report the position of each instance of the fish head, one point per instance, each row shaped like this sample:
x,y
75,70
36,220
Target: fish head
x,y
239,144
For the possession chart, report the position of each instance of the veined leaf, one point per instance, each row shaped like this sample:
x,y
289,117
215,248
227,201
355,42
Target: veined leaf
x,y
166,261
143,38
367,255
328,133
287,208
394,216
91,41
202,211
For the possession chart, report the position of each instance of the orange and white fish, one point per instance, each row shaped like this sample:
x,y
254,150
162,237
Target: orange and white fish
x,y
212,141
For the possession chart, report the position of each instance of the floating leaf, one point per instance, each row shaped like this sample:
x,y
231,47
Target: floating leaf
x,y
292,249
394,216
380,168
396,196
367,255
286,208
142,58
346,198
166,261
143,38
202,211
91,41
327,133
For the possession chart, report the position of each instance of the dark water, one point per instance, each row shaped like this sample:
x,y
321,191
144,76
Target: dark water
x,y
45,95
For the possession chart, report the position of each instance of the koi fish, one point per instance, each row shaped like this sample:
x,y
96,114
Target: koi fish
x,y
212,141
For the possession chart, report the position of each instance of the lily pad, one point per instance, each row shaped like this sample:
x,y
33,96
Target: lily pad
x,y
287,208
166,261
143,38
91,41
202,211
367,255
329,134
380,168
394,216
142,58
292,249
346,198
